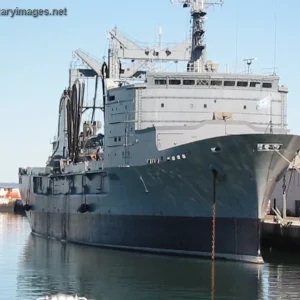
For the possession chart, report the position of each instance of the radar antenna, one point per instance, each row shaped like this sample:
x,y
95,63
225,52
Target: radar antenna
x,y
198,13
249,62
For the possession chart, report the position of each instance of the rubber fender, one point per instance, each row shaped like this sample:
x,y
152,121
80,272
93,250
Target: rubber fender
x,y
27,207
19,208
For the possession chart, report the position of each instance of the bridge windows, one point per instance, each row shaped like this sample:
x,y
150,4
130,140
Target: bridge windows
x,y
174,81
160,81
255,85
214,82
267,85
188,82
242,83
229,83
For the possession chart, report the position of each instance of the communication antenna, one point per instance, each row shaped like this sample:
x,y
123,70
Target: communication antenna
x,y
249,62
275,39
159,42
236,37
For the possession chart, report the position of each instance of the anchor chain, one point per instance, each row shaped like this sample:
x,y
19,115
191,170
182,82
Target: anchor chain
x,y
213,239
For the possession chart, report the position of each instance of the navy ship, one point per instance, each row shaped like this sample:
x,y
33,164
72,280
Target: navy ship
x,y
186,160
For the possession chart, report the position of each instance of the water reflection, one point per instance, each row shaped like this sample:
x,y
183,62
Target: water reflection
x,y
50,266
280,276
13,234
33,267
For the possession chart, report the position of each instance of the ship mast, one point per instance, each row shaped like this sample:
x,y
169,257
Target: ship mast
x,y
198,14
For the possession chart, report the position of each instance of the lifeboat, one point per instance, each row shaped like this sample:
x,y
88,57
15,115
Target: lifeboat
x,y
13,194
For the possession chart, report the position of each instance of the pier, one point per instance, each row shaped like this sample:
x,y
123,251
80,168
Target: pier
x,y
281,226
281,233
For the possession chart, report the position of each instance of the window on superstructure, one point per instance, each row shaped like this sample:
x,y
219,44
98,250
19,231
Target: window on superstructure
x,y
119,139
242,83
202,82
205,105
115,139
216,82
229,83
160,81
162,105
267,85
35,184
112,98
255,85
174,81
188,82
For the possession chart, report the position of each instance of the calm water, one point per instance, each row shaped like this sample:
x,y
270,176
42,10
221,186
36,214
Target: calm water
x,y
32,267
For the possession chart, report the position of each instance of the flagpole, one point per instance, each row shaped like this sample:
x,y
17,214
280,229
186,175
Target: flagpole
x,y
271,123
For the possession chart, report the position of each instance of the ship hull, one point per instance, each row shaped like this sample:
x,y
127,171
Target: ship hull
x,y
235,239
167,207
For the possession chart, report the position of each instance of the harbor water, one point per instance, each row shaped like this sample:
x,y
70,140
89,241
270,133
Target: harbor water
x,y
33,267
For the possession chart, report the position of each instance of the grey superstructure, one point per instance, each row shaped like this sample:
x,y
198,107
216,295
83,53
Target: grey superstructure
x,y
172,141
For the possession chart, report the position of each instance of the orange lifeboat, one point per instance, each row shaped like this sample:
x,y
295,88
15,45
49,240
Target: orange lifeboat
x,y
13,194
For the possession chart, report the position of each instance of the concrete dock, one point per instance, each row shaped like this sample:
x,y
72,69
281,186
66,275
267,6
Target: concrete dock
x,y
281,234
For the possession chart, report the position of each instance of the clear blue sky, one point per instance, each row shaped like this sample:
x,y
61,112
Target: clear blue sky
x,y
36,52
